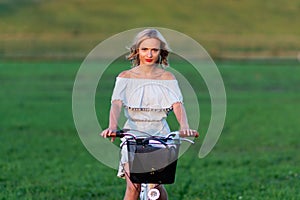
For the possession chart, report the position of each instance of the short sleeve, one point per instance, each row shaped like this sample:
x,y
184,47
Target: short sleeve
x,y
175,92
119,89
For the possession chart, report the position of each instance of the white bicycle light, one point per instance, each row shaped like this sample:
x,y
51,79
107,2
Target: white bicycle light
x,y
153,194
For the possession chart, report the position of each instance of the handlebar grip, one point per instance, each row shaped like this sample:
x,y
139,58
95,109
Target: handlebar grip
x,y
119,133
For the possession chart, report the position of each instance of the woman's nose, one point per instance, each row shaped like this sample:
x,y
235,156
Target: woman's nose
x,y
149,54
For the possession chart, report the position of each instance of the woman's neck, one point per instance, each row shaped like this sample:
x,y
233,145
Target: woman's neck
x,y
147,71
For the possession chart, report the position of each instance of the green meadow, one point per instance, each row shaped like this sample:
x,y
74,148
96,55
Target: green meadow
x,y
256,156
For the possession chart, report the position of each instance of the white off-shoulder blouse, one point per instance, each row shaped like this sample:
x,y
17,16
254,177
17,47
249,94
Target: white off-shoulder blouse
x,y
147,102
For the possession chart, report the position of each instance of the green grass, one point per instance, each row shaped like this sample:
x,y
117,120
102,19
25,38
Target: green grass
x,y
72,28
256,156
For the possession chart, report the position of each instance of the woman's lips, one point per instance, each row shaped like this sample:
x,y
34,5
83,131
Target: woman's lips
x,y
149,60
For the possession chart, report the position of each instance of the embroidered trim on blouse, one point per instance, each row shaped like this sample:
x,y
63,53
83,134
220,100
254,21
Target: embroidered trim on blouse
x,y
149,109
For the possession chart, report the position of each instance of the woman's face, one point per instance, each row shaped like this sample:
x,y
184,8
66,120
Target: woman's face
x,y
149,51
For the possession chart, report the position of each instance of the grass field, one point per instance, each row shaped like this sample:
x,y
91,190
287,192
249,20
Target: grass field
x,y
256,157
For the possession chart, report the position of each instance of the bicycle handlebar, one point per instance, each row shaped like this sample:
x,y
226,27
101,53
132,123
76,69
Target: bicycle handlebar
x,y
123,132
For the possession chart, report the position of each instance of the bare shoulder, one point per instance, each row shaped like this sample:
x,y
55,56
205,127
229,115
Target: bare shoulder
x,y
168,76
124,74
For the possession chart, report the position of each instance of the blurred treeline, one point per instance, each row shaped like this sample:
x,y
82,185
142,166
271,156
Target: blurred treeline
x,y
72,28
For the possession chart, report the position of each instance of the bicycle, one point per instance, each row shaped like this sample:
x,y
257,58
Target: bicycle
x,y
152,159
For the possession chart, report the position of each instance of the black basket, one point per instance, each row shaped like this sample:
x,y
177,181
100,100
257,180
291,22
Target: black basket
x,y
152,160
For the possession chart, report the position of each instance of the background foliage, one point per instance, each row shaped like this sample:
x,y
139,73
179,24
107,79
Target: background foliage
x,y
71,28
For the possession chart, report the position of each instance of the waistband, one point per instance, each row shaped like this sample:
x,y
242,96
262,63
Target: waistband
x,y
145,120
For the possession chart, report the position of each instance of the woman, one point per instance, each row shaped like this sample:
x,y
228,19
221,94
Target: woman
x,y
147,93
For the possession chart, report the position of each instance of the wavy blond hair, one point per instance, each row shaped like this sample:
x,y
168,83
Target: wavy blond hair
x,y
147,34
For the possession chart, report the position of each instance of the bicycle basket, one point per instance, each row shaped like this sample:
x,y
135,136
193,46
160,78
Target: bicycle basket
x,y
152,160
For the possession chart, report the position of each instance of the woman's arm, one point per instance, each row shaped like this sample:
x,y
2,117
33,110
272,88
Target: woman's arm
x,y
180,114
115,108
114,114
181,117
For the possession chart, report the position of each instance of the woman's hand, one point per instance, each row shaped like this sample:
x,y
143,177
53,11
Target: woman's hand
x,y
107,133
187,132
